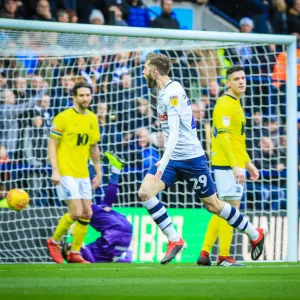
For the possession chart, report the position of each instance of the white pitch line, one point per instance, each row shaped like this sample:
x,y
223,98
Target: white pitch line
x,y
141,268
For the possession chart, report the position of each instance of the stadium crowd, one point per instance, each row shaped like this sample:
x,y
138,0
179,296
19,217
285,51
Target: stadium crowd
x,y
34,89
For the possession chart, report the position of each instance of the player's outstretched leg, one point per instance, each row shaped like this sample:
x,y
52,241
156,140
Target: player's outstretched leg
x,y
114,160
174,248
80,230
53,243
158,212
54,251
258,244
238,221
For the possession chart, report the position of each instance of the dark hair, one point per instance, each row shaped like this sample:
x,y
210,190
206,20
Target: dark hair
x,y
79,85
160,61
234,69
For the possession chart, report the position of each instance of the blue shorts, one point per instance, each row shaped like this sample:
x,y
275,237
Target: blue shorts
x,y
194,171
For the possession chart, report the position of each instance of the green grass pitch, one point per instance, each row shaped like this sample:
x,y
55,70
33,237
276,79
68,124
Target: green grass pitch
x,y
149,281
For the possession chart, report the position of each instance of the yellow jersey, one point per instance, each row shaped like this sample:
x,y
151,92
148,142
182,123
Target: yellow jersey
x,y
75,133
229,138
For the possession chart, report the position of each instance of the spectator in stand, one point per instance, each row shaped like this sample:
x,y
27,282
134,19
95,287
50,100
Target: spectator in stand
x,y
42,108
43,12
136,70
4,160
118,16
61,97
22,95
62,16
145,115
255,9
20,90
35,152
50,68
209,66
96,17
96,71
103,93
193,75
147,154
36,142
203,127
157,139
10,10
121,4
279,77
138,14
9,114
82,71
38,87
246,25
28,55
294,18
244,53
121,66
111,139
210,100
124,103
257,60
282,151
3,81
167,19
279,17
273,130
254,131
273,173
266,157
72,16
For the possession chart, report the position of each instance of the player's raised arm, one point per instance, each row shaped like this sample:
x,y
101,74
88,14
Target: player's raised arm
x,y
173,123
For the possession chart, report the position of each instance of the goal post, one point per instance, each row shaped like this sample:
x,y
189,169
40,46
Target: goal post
x,y
70,41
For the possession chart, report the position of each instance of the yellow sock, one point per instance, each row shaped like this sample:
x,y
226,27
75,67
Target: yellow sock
x,y
226,234
80,230
62,228
212,233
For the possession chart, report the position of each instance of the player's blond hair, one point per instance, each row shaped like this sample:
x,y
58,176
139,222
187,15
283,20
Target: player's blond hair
x,y
161,62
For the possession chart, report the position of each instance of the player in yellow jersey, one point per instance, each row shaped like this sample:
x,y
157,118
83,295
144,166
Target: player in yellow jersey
x,y
73,140
229,161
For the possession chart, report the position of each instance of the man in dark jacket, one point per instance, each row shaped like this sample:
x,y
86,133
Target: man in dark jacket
x,y
166,19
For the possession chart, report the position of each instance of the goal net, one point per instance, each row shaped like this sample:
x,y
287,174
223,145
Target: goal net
x,y
37,73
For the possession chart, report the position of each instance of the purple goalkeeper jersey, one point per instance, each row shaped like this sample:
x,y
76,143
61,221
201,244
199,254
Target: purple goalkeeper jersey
x,y
103,220
116,234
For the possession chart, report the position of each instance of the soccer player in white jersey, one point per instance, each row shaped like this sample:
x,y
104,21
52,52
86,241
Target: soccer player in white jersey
x,y
183,159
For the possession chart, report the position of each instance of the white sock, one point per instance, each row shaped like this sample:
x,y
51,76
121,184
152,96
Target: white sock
x,y
171,233
237,220
160,216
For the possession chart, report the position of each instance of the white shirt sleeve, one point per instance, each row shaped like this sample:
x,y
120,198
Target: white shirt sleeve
x,y
173,122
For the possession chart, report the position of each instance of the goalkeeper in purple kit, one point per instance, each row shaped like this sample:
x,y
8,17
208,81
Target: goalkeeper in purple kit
x,y
116,231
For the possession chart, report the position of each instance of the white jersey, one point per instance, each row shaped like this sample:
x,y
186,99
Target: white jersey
x,y
172,100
